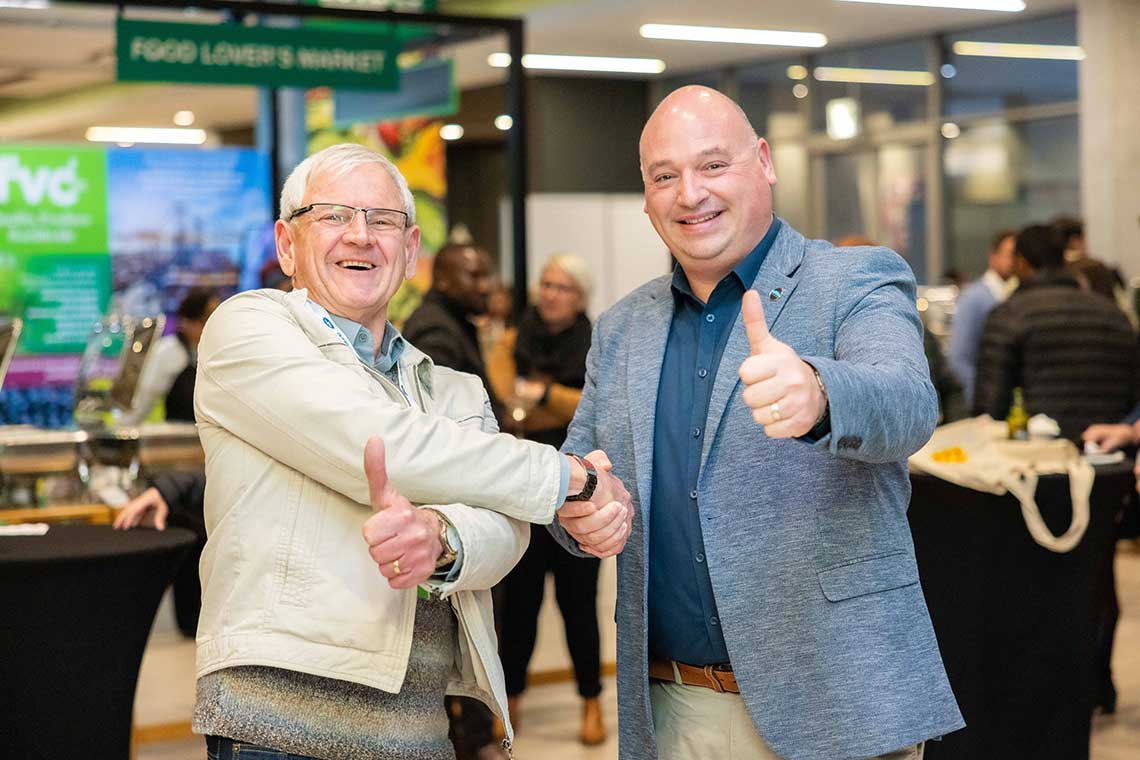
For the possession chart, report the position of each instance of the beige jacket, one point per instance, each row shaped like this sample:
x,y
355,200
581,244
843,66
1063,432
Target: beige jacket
x,y
284,408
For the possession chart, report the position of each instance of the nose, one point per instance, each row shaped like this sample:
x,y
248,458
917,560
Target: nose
x,y
357,230
691,192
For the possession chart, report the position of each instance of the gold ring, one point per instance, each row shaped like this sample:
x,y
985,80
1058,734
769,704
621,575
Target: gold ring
x,y
775,409
396,566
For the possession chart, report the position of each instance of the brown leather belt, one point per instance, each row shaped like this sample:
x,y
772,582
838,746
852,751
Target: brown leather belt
x,y
719,678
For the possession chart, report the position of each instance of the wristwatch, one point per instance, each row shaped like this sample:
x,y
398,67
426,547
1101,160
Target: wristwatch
x,y
591,480
449,553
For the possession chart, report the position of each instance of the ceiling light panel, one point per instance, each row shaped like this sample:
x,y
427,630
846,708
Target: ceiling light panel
x,y
149,135
873,76
735,35
1003,6
1020,50
581,63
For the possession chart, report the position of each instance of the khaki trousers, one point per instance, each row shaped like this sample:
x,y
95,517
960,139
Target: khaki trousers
x,y
696,723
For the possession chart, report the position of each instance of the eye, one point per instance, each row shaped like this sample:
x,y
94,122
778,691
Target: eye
x,y
660,178
334,216
716,166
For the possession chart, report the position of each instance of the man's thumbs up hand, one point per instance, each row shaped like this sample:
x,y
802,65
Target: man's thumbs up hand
x,y
380,491
402,540
779,386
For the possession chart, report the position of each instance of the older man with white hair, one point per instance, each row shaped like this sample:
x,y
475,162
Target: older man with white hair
x,y
313,642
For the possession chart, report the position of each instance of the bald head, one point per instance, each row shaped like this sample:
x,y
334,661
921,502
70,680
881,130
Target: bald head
x,y
697,102
708,183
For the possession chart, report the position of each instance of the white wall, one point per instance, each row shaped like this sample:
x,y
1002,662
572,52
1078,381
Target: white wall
x,y
608,230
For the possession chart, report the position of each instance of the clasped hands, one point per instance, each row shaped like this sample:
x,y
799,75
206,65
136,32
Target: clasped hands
x,y
403,540
602,525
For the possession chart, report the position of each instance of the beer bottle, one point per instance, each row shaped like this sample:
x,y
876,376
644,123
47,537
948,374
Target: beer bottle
x,y
1018,420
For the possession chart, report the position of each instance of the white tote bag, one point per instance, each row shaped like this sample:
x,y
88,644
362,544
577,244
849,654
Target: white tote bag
x,y
976,454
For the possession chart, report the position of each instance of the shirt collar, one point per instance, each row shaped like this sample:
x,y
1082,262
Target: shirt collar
x,y
746,271
361,340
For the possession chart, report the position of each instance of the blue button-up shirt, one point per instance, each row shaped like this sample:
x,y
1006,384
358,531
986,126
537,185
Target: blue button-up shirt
x,y
683,620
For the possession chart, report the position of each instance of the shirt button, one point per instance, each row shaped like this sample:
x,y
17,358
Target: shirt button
x,y
693,494
714,620
696,432
701,558
710,317
702,372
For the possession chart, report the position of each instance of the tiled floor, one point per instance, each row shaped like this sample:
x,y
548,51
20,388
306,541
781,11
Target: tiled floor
x,y
551,713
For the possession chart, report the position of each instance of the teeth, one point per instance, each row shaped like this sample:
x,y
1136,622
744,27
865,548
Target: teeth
x,y
702,219
364,265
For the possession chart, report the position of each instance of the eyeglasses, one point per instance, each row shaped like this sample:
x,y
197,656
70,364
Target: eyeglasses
x,y
338,215
557,287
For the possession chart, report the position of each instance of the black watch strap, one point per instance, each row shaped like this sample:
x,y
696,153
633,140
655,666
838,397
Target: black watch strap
x,y
591,480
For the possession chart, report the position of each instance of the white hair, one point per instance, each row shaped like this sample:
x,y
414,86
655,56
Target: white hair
x,y
337,161
577,268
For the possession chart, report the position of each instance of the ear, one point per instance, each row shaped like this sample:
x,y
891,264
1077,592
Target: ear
x,y
411,250
283,237
764,154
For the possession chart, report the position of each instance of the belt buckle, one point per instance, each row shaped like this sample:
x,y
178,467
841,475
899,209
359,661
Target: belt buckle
x,y
714,682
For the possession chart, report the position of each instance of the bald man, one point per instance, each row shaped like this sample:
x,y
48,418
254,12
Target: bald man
x,y
760,403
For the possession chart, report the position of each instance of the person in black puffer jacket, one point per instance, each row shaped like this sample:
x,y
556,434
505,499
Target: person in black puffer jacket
x,y
1073,352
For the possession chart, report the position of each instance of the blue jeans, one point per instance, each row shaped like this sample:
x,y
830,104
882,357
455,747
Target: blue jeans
x,y
221,748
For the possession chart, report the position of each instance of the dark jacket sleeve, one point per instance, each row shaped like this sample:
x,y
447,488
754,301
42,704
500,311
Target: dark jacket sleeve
x,y
951,400
999,364
185,494
439,343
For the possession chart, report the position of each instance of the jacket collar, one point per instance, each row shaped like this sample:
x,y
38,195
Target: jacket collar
x,y
411,359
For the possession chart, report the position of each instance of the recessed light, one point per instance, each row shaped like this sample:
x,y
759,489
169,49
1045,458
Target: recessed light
x,y
451,131
948,71
184,118
504,122
797,72
166,136
581,63
800,91
737,35
950,130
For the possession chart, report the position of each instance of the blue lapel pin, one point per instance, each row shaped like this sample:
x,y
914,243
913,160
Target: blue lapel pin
x,y
775,294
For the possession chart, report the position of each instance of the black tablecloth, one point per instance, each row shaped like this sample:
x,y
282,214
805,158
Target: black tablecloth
x,y
1016,623
78,604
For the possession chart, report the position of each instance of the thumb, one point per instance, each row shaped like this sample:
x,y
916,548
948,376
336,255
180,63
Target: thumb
x,y
376,471
752,309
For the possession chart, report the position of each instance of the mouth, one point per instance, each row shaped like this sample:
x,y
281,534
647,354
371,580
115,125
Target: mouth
x,y
695,220
356,265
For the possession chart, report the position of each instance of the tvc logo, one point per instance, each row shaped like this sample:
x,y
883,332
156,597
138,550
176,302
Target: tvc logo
x,y
60,186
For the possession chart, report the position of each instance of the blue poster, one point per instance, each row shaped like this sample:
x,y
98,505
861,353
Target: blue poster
x,y
183,218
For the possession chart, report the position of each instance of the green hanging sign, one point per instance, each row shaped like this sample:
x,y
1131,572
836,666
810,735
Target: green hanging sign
x,y
260,56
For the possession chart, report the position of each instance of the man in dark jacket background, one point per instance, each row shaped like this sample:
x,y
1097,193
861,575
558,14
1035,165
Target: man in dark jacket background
x,y
441,327
1072,352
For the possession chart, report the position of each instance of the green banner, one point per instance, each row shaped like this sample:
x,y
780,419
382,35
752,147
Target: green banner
x,y
54,267
53,200
261,56
66,295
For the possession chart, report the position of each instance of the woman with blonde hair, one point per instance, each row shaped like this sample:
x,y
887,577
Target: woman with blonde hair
x,y
543,370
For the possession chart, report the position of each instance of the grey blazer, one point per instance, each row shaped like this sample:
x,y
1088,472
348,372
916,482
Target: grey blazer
x,y
808,546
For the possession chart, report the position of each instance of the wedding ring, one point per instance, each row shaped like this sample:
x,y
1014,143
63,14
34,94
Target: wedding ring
x,y
396,566
775,409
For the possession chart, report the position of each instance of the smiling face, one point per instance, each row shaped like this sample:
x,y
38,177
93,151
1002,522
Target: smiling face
x,y
708,182
352,271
